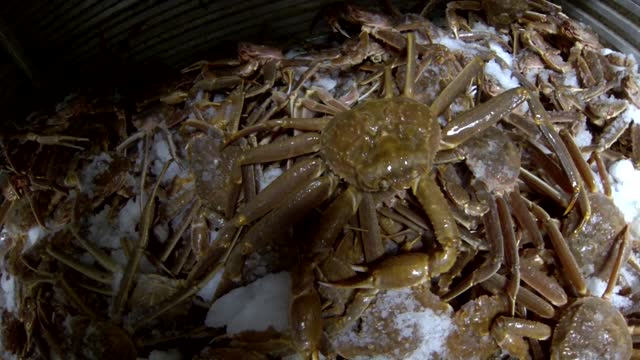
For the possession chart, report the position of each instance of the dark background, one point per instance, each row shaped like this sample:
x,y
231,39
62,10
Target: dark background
x,y
49,49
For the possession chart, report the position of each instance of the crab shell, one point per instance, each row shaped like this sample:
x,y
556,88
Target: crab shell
x,y
382,144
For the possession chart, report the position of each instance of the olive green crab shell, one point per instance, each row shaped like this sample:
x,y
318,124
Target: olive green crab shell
x,y
382,144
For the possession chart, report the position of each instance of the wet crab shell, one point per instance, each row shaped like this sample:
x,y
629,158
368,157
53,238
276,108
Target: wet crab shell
x,y
382,144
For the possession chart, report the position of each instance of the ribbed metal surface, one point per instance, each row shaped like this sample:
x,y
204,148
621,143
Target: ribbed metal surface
x,y
70,42
617,21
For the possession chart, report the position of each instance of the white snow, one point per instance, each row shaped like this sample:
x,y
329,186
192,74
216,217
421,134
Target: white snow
x,y
106,231
34,234
606,51
453,44
257,306
269,175
8,285
631,114
502,76
101,231
171,354
571,80
597,287
583,135
505,56
129,216
161,155
207,292
625,180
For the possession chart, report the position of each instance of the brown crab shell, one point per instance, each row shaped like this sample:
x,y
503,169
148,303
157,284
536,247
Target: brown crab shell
x,y
382,144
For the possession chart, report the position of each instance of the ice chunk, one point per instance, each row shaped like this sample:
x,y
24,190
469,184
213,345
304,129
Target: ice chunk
x,y
268,176
257,306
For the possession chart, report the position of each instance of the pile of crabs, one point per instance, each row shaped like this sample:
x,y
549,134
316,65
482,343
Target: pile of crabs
x,y
398,170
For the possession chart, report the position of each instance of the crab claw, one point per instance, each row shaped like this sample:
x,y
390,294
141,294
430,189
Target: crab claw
x,y
395,272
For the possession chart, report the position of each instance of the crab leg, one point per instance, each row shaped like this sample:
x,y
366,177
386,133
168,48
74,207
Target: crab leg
x,y
295,206
511,256
541,118
267,199
444,225
132,266
171,244
361,301
541,187
333,220
619,260
101,257
371,240
495,236
130,140
635,144
602,171
524,218
545,285
401,219
411,215
459,196
509,332
304,124
305,314
553,171
482,116
457,86
581,165
411,65
562,249
285,149
304,198
222,82
97,275
60,140
496,284
269,71
146,145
